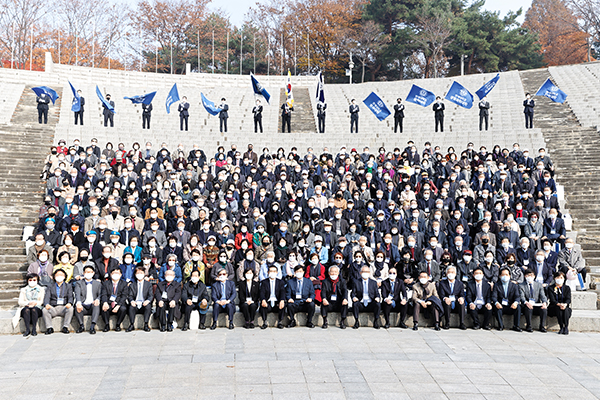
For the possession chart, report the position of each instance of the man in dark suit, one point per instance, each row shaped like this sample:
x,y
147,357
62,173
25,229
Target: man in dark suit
x,y
286,117
554,228
528,105
167,295
87,298
272,297
146,114
479,299
58,302
257,111
334,296
506,297
139,299
398,116
393,293
452,294
300,295
184,113
354,110
365,297
534,300
108,114
484,112
438,110
321,107
194,297
223,296
79,114
223,115
114,300
42,106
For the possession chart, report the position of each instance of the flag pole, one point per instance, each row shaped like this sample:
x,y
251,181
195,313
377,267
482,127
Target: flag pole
x,y
308,50
171,40
198,50
76,46
12,50
213,51
31,51
94,46
282,54
241,51
59,47
227,59
254,54
156,59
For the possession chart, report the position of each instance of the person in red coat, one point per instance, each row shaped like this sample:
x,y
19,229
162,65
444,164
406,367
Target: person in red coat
x,y
315,271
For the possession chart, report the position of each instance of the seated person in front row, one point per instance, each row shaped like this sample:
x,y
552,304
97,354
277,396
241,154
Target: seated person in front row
x,y
31,298
272,297
559,296
249,292
365,298
167,295
535,301
506,298
425,296
334,296
114,300
300,295
194,297
87,298
393,293
479,299
140,299
452,294
58,302
223,296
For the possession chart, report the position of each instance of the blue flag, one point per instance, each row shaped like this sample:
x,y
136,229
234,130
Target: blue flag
x,y
458,94
320,92
209,105
377,105
487,87
259,89
39,90
103,100
142,98
172,97
76,106
551,91
420,96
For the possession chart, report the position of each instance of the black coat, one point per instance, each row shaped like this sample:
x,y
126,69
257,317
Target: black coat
x,y
254,291
399,289
173,291
147,108
341,289
528,106
486,292
265,290
444,289
190,289
398,110
513,292
183,109
146,291
121,293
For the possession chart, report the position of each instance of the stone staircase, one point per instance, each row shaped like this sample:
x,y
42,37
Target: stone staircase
x,y
575,151
303,119
24,145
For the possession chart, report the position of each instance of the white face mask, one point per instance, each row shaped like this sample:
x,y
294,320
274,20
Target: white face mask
x,y
489,260
299,275
423,281
428,257
33,283
115,277
39,243
529,279
392,276
171,263
196,258
365,275
569,245
249,277
169,278
139,277
539,258
559,281
451,276
88,275
59,279
270,260
43,258
478,277
146,261
222,278
379,259
272,275
195,279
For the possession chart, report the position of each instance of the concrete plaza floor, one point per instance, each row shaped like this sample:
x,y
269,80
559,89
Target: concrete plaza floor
x,y
301,363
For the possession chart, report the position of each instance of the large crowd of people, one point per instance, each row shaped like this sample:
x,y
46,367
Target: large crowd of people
x,y
423,231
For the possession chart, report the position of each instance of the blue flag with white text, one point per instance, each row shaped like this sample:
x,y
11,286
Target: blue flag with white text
x,y
209,105
487,87
173,97
551,91
103,100
259,89
459,95
377,105
142,98
39,90
76,105
420,96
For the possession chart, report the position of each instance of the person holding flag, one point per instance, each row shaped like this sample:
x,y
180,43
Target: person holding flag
x,y
223,115
257,111
321,107
286,117
108,112
528,105
354,110
438,110
42,101
184,113
146,115
484,112
79,113
398,115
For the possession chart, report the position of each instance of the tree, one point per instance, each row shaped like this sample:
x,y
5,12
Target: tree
x,y
435,25
588,14
367,43
20,20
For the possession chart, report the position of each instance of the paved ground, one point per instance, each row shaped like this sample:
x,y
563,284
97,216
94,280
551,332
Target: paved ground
x,y
301,364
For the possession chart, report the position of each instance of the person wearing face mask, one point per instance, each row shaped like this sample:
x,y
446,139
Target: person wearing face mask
x,y
425,296
194,264
173,249
315,272
154,233
114,300
365,297
534,300
554,228
42,267
223,263
525,255
171,265
88,293
490,268
334,296
483,247
393,293
139,299
506,297
300,296
570,261
416,253
534,230
479,299
106,264
167,296
194,297
430,266
39,245
31,300
223,295
272,296
81,263
249,297
559,298
452,294
134,248
64,263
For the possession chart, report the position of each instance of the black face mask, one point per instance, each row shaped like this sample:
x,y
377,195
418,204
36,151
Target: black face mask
x,y
511,262
114,214
485,241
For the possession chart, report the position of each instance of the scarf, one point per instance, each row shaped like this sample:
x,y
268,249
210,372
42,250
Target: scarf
x,y
334,284
378,268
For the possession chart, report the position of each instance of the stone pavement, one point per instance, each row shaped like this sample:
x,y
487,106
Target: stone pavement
x,y
300,363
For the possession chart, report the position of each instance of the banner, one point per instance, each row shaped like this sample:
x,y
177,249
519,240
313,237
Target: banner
x,y
173,97
143,98
39,90
209,105
320,93
103,100
420,96
459,95
76,106
259,89
288,90
551,91
487,87
377,105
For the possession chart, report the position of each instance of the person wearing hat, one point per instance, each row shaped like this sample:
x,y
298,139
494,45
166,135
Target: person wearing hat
x,y
167,295
107,112
139,299
58,302
117,247
51,235
320,250
194,296
87,298
223,295
223,115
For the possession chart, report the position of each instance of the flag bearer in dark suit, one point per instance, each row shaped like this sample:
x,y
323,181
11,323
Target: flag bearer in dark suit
x,y
354,110
257,111
534,301
223,115
223,296
140,299
300,295
249,297
398,115
58,301
452,294
506,297
146,114
479,299
559,296
272,297
79,114
365,297
438,110
194,296
184,113
167,295
528,105
334,296
286,117
321,107
114,300
87,298
42,106
484,113
108,114
393,293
